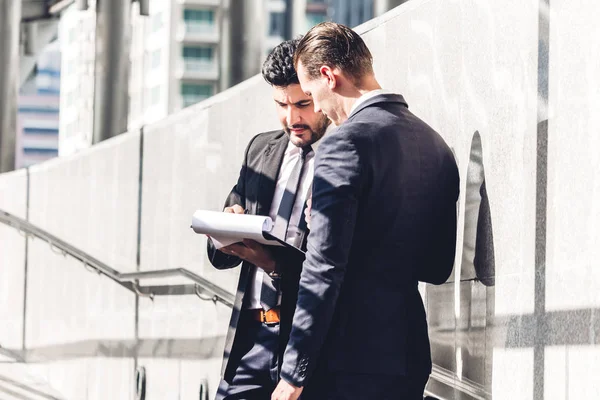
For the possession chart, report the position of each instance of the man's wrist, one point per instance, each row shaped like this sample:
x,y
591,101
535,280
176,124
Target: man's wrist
x,y
288,378
289,382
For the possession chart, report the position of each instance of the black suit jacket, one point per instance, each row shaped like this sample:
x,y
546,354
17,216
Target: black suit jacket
x,y
254,191
383,217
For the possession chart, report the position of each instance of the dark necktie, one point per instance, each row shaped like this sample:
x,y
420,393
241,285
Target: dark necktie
x,y
269,293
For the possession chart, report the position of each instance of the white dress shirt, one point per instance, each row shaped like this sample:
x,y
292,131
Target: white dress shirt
x,y
366,97
291,156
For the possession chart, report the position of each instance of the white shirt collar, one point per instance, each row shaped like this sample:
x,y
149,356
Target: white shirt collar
x,y
366,97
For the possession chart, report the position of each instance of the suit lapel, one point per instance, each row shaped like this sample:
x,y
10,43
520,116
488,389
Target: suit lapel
x,y
271,163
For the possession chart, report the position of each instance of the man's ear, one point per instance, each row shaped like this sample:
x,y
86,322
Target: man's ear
x,y
328,73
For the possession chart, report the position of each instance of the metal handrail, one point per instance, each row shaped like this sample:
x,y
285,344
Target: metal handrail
x,y
203,288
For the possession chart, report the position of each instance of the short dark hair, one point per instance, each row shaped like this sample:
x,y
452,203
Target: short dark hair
x,y
334,45
278,69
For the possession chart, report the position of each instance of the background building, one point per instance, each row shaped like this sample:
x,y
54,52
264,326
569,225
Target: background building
x,y
77,46
174,62
123,73
174,58
38,112
184,52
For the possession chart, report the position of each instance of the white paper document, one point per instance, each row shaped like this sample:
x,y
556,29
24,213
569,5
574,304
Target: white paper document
x,y
226,228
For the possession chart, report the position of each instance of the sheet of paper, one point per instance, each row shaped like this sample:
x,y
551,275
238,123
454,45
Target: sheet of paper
x,y
227,228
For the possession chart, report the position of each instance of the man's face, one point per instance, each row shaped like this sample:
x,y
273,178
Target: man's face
x,y
322,96
295,110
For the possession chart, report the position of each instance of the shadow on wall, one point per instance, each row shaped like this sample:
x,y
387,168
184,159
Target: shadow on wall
x,y
459,332
474,359
478,242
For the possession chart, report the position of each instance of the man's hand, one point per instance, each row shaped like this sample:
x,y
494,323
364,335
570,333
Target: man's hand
x,y
234,209
307,211
253,252
286,391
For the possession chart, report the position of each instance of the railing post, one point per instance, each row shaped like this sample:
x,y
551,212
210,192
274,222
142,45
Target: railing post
x,y
26,261
10,23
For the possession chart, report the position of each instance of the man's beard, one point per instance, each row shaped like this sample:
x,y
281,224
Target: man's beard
x,y
315,134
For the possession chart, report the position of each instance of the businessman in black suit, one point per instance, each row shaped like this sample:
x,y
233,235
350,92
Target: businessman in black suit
x,y
383,217
275,180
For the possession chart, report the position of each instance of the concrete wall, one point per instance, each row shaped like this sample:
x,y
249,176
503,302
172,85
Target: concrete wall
x,y
470,67
13,199
191,161
512,86
573,194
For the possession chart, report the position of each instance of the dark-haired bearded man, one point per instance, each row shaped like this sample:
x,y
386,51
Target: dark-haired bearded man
x,y
275,180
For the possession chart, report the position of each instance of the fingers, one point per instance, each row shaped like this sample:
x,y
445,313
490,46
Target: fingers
x,y
234,209
308,209
257,254
235,250
251,244
253,250
307,212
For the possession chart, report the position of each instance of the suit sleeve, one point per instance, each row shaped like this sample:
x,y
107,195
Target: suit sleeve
x,y
443,233
219,259
337,184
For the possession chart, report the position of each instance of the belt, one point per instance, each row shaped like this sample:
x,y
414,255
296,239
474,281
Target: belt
x,y
266,317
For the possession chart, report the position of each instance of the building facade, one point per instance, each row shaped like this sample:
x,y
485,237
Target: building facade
x,y
175,57
38,112
184,52
174,62
77,46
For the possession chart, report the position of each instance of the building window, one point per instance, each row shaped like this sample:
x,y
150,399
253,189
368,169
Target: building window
x,y
155,58
197,58
157,22
31,151
41,131
199,21
192,93
276,24
206,16
38,109
155,95
198,53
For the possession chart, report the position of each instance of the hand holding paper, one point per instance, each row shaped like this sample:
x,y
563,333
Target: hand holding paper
x,y
226,228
